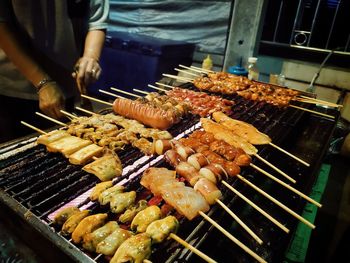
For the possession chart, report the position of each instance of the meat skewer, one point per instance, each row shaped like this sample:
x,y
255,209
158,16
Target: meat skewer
x,y
249,132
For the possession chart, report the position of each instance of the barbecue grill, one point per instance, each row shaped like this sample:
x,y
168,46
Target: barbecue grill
x,y
34,184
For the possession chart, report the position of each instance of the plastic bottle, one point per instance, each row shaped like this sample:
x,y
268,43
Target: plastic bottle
x,y
207,63
253,71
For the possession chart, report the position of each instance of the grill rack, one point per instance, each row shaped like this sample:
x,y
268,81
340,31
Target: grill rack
x,y
281,120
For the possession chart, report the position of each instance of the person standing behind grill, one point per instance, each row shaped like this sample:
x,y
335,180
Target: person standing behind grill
x,y
41,44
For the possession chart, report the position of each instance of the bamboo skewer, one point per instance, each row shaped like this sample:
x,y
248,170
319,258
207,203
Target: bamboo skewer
x,y
289,154
239,221
125,92
287,186
51,119
165,85
203,69
84,110
68,114
33,127
182,79
273,220
317,102
191,248
156,88
110,93
141,91
97,100
321,101
312,111
235,240
186,72
275,168
272,199
193,69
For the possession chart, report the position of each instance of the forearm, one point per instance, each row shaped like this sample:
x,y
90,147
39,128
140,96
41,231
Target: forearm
x,y
20,57
94,43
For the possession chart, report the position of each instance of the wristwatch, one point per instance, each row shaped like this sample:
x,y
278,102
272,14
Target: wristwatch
x,y
42,83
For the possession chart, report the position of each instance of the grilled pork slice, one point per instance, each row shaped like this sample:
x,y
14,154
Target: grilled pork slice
x,y
85,154
91,240
67,145
88,225
111,243
160,229
52,136
105,168
135,249
145,217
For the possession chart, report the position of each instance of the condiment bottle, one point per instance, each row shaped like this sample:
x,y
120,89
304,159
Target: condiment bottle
x,y
253,71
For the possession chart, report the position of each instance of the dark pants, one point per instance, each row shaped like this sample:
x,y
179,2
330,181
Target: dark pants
x,y
14,110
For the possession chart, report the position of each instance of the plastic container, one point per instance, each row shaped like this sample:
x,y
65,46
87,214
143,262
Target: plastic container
x,y
253,71
131,61
238,70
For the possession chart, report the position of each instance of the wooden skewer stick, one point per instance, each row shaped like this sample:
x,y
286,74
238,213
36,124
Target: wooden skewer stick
x,y
33,127
182,79
273,220
193,69
110,93
203,69
141,91
287,186
97,100
312,111
164,85
285,208
191,248
186,72
156,88
84,110
125,92
321,101
239,221
275,168
235,240
68,114
51,119
289,154
317,102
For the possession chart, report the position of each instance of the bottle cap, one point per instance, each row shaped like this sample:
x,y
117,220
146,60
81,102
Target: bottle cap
x,y
252,59
238,70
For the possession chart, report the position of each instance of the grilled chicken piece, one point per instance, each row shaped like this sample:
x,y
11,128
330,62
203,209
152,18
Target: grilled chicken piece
x,y
130,213
145,217
87,225
62,216
111,243
106,167
106,196
121,201
73,221
91,240
135,249
160,229
99,188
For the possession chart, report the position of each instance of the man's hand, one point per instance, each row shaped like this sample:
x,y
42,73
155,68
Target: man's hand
x,y
86,71
51,100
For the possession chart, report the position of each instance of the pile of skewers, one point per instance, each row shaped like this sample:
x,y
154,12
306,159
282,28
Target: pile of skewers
x,y
226,83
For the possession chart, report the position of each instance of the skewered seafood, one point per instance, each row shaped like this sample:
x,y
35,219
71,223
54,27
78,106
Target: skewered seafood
x,y
87,225
160,229
132,211
106,167
73,221
145,217
106,196
91,240
134,249
121,201
99,188
64,214
112,242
